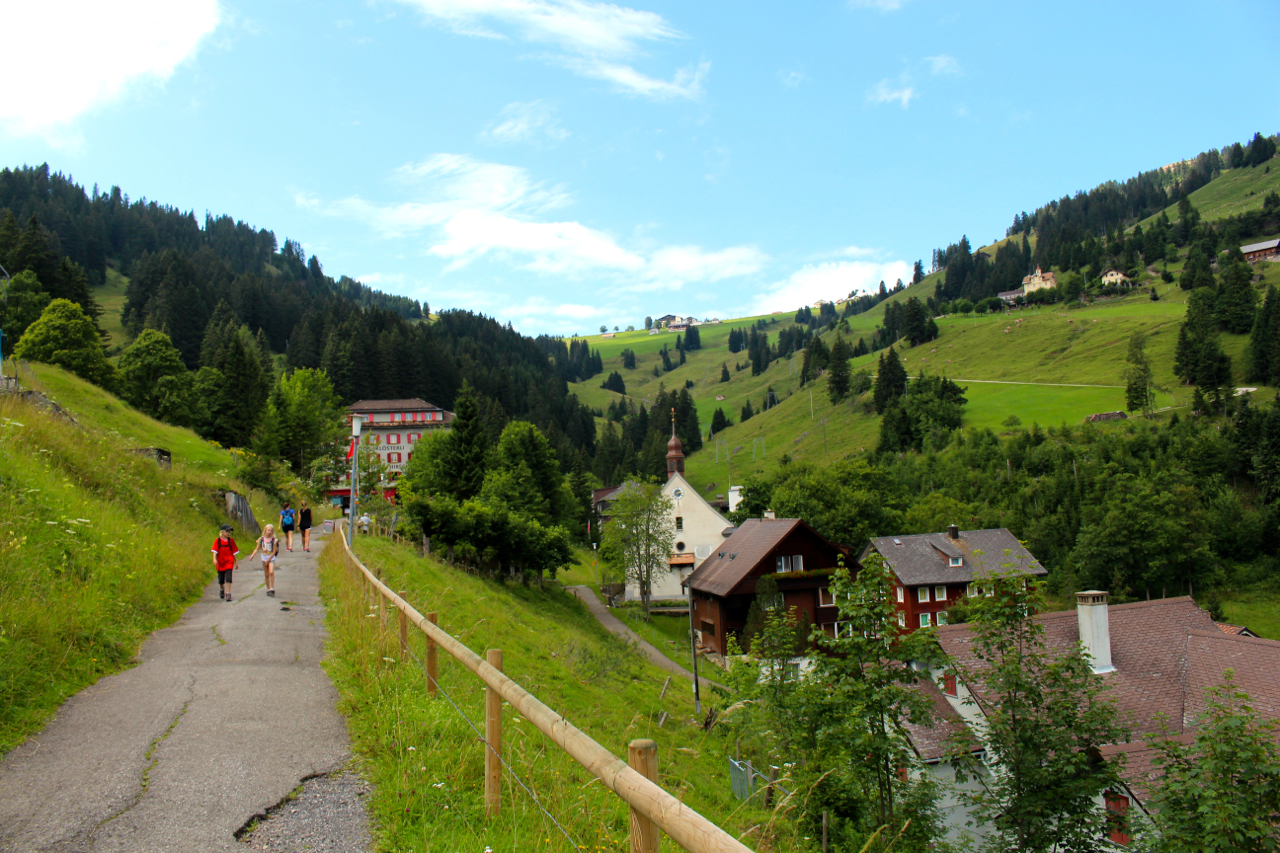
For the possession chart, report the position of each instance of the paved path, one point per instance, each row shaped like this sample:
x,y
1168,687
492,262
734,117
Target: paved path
x,y
616,626
227,712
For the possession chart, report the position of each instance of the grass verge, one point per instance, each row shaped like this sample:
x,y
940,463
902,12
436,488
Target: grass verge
x,y
425,761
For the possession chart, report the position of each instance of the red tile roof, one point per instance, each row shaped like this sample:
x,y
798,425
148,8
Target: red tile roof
x,y
935,741
411,405
1166,653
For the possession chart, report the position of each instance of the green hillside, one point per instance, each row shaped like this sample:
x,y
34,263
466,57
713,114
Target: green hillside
x,y
1054,366
1233,192
99,546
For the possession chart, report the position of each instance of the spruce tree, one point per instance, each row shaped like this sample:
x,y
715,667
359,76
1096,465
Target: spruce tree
x,y
891,381
838,372
724,372
1260,339
468,448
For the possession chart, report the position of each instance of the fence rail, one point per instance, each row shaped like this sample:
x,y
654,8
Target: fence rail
x,y
652,807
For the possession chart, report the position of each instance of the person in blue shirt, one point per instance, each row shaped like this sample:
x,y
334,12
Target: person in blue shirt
x,y
286,525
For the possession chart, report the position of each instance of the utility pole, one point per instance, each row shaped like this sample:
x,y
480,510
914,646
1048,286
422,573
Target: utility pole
x,y
356,422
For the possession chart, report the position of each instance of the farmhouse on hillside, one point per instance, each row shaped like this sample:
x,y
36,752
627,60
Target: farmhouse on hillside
x,y
724,585
1266,250
393,427
1157,658
1115,277
1038,281
935,570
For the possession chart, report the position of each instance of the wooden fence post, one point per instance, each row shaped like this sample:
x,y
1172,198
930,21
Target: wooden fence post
x,y
642,755
768,790
493,740
404,627
431,658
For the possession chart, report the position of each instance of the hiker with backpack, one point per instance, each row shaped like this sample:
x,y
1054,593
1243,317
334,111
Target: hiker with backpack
x,y
224,560
269,544
286,526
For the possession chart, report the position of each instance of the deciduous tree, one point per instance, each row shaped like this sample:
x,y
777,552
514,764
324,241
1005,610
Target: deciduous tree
x,y
638,539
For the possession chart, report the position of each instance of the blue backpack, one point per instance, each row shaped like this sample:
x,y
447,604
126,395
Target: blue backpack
x,y
287,516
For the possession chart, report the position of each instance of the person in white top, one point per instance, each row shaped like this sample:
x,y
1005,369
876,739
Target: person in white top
x,y
269,544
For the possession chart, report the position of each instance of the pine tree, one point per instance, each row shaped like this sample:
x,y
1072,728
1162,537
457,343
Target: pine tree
x,y
467,453
747,412
1139,391
724,372
1261,338
719,421
891,381
838,372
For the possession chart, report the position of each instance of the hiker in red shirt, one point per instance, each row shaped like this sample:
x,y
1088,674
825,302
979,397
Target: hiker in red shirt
x,y
224,560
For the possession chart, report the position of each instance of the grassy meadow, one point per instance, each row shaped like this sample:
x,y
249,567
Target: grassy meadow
x,y
424,761
99,546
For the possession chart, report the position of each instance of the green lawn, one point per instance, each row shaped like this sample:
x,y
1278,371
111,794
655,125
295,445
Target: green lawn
x,y
111,296
1233,192
668,634
1258,611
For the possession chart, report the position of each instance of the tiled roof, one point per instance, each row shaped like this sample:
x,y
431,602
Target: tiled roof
x,y
729,564
1166,653
922,559
1241,630
935,740
412,405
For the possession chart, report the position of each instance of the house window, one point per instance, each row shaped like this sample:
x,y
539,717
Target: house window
x,y
953,562
922,594
902,619
797,563
825,598
843,629
939,593
708,628
949,684
782,564
902,594
415,437
393,458
393,438
679,522
1117,817
924,620
972,590
942,617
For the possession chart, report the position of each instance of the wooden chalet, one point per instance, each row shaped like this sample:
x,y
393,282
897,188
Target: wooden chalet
x,y
934,570
724,584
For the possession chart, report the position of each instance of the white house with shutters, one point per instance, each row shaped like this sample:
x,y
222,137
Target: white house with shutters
x,y
391,428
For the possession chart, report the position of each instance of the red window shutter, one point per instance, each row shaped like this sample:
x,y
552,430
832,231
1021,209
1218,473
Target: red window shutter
x,y
949,684
1117,817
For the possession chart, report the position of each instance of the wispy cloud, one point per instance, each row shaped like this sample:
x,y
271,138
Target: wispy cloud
x,y
880,5
148,40
791,79
943,64
886,92
468,209
594,39
832,280
526,122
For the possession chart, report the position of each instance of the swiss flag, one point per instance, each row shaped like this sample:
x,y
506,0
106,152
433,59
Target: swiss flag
x,y
351,451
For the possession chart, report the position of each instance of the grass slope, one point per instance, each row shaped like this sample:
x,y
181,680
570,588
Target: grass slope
x,y
424,760
98,545
111,297
1233,192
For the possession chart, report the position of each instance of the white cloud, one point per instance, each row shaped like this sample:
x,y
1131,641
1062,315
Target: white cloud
x,y
77,55
856,252
791,79
943,64
596,40
885,92
526,122
832,280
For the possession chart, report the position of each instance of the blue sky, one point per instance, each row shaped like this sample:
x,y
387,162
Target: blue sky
x,y
563,164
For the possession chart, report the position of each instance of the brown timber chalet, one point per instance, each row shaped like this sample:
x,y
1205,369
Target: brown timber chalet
x,y
934,570
724,585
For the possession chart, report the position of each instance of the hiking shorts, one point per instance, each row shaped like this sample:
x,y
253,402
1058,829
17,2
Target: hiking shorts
x,y
286,528
224,576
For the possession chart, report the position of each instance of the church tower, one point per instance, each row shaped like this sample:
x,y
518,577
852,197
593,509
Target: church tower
x,y
675,451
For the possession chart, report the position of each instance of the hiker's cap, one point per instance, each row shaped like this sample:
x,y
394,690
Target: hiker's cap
x,y
225,527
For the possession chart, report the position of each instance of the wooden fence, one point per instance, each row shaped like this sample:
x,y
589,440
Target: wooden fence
x,y
652,807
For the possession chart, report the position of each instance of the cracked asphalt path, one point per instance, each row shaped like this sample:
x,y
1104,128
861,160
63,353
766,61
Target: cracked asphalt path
x,y
227,712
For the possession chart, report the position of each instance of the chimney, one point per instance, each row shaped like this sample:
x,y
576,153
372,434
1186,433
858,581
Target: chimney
x,y
1095,628
768,513
953,532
